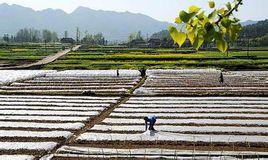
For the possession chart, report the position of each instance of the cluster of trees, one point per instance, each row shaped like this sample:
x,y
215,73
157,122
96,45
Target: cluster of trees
x,y
165,39
36,36
136,40
164,34
97,39
32,35
135,36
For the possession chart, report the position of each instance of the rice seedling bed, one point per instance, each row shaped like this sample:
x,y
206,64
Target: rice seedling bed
x,y
204,82
9,76
233,124
72,82
35,125
238,130
212,124
78,152
190,122
17,157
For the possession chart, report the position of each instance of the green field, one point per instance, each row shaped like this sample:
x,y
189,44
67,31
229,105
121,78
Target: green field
x,y
17,54
123,58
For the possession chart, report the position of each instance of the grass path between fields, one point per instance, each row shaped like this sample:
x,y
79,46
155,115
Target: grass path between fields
x,y
46,60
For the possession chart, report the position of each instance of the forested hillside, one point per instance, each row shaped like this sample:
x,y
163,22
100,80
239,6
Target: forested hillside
x,y
255,35
257,30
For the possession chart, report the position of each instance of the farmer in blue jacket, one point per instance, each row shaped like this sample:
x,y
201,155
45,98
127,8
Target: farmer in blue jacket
x,y
151,120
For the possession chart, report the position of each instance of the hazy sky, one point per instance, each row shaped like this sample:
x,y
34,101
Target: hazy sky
x,y
164,10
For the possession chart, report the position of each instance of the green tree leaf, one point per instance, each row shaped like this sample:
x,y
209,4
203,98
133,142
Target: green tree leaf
x,y
178,37
208,26
221,11
201,16
226,22
218,35
213,14
198,42
191,37
194,9
211,4
233,32
216,27
222,45
185,17
210,31
229,5
178,20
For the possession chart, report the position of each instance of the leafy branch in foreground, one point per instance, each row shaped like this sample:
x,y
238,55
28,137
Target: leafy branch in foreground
x,y
219,26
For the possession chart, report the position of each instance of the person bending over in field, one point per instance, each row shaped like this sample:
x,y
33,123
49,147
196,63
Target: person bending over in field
x,y
151,120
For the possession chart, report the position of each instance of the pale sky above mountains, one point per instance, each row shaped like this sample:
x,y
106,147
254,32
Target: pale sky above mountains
x,y
164,10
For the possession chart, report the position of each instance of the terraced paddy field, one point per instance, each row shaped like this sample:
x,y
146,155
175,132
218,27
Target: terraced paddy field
x,y
13,55
124,58
98,114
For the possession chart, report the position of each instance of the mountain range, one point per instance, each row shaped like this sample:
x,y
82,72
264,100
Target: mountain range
x,y
114,25
248,22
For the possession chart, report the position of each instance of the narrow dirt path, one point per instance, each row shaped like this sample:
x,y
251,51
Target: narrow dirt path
x,y
103,115
44,61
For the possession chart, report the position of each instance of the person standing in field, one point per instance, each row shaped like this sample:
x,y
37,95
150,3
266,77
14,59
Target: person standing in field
x,y
151,120
221,79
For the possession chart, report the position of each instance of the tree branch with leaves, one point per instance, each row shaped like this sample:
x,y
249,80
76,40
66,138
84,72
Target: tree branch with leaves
x,y
219,26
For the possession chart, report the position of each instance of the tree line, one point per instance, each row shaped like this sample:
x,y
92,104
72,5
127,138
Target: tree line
x,y
135,36
32,35
37,36
97,39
